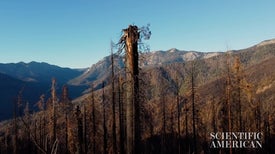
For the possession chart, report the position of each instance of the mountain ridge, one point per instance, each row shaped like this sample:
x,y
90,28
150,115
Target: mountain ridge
x,y
209,65
37,71
148,59
34,80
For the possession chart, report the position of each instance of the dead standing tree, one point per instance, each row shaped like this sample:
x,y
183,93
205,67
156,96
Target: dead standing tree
x,y
113,104
129,42
54,101
193,108
131,36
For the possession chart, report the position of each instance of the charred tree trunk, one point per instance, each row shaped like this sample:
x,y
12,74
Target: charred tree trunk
x,y
79,129
67,135
113,107
267,133
214,122
178,120
228,95
186,126
258,116
85,144
15,123
53,92
131,37
238,85
93,119
105,140
163,140
129,43
193,110
121,118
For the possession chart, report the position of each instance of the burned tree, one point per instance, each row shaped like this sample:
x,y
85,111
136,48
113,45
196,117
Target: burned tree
x,y
129,42
228,100
113,105
237,65
78,116
131,36
193,108
105,139
54,101
93,119
121,117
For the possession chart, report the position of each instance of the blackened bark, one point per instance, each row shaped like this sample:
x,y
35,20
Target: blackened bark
x,y
121,118
193,110
93,119
131,37
105,140
113,107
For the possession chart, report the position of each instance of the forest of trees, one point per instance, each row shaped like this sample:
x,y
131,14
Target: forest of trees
x,y
143,111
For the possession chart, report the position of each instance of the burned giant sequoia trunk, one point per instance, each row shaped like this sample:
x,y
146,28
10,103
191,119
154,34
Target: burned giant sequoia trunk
x,y
131,37
129,43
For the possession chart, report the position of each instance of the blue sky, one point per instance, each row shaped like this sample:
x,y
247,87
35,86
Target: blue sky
x,y
77,33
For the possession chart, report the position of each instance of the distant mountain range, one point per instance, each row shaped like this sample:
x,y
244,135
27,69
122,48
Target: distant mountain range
x,y
38,72
34,78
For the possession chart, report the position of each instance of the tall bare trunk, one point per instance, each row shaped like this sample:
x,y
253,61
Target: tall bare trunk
x,y
85,144
53,92
193,110
237,65
105,141
163,140
113,106
15,122
93,119
67,134
79,129
228,95
178,118
131,36
121,118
